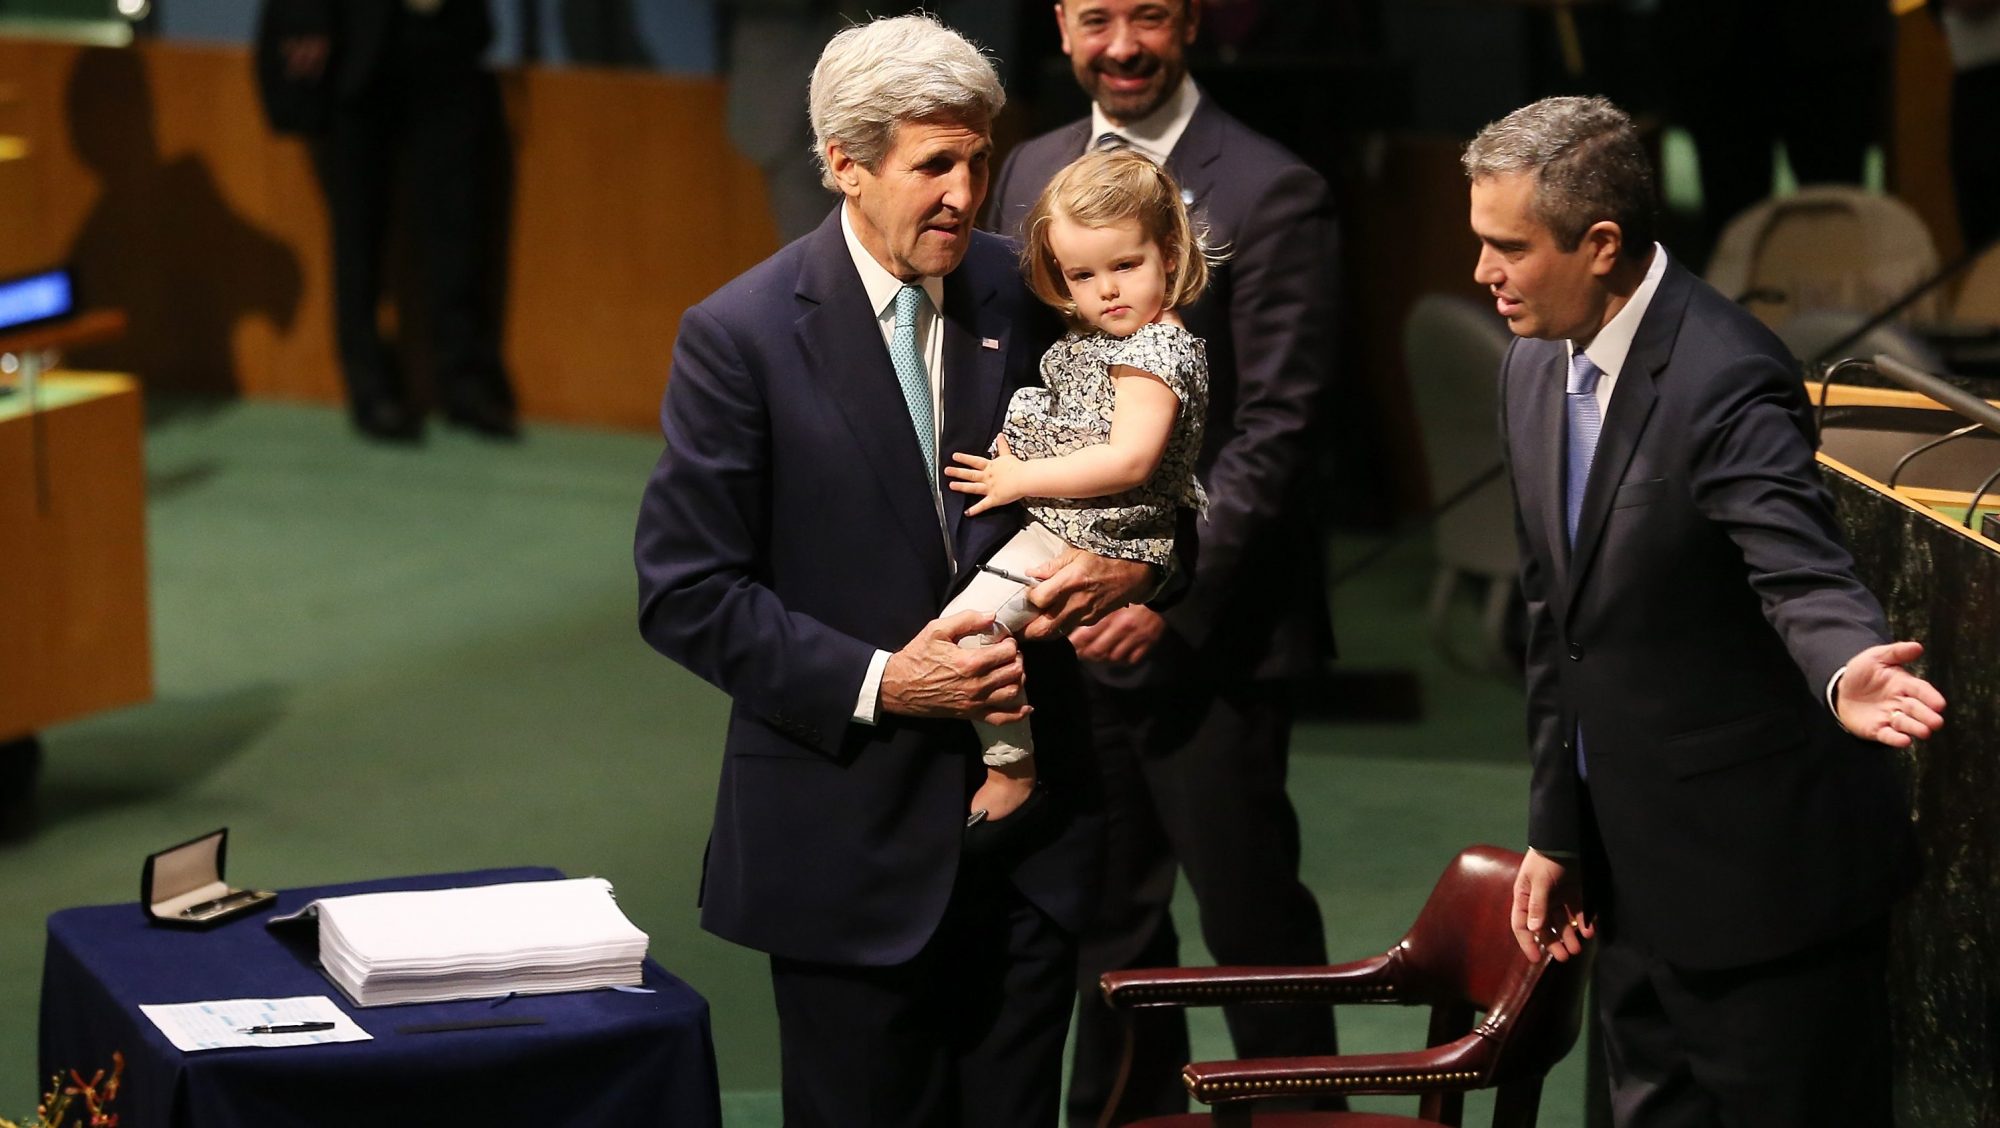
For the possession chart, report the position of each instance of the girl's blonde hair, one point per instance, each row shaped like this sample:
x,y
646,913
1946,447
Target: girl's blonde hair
x,y
1102,188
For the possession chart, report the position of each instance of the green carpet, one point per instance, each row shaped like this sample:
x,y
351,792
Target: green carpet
x,y
375,661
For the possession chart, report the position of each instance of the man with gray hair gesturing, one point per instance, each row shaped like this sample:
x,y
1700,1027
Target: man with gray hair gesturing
x,y
793,547
1712,694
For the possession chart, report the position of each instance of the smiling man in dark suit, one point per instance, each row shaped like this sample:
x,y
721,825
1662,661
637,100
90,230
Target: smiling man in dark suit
x,y
1192,708
1710,689
793,547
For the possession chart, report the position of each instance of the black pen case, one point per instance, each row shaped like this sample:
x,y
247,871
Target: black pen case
x,y
182,886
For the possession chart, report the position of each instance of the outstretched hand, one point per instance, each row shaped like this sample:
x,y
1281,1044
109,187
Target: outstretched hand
x,y
997,478
1879,700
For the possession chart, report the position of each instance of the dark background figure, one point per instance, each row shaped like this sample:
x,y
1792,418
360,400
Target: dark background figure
x,y
1742,75
603,33
20,770
1192,710
1972,28
414,108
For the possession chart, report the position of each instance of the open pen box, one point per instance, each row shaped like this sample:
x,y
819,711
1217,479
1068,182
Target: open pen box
x,y
182,885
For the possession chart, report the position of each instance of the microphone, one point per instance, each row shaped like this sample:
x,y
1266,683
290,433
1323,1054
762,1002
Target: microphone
x,y
1972,510
1897,472
1925,384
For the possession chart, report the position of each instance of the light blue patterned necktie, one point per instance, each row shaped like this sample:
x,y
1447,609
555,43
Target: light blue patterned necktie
x,y
1586,422
916,380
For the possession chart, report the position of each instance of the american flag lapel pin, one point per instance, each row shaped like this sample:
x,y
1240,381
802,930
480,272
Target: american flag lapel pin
x,y
989,342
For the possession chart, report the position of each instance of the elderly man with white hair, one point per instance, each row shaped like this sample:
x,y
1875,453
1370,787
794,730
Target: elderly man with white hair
x,y
794,546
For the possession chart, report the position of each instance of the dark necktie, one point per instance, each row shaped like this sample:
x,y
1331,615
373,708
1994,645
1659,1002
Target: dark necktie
x,y
1108,142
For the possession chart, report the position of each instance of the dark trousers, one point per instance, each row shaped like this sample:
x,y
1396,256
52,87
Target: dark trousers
x,y
432,123
1744,75
1975,152
969,1033
1801,1040
1196,778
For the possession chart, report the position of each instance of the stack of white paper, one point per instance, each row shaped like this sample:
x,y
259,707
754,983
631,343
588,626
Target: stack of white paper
x,y
528,937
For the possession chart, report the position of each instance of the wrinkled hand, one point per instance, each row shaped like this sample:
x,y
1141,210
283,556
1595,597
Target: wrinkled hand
x,y
1121,638
305,55
1079,588
932,676
1543,886
1879,700
998,478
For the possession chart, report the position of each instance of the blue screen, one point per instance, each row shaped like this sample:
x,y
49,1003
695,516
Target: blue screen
x,y
37,297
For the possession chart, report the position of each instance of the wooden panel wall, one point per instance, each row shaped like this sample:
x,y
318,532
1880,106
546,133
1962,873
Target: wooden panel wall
x,y
151,168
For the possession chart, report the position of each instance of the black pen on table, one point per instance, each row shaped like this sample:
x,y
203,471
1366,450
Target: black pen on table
x,y
288,1028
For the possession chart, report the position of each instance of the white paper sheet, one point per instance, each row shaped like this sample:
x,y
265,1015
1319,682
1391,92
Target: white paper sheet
x,y
219,1024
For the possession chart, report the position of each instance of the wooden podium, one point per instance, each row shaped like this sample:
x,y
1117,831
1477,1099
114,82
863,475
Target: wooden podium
x,y
74,630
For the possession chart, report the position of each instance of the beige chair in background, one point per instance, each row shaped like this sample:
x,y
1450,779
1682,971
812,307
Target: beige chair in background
x,y
1452,348
1827,246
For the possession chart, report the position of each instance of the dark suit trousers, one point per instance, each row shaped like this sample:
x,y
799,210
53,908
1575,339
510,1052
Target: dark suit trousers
x,y
431,122
969,1033
1797,1041
1196,778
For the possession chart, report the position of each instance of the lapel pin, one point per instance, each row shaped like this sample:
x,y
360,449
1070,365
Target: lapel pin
x,y
989,342
1187,196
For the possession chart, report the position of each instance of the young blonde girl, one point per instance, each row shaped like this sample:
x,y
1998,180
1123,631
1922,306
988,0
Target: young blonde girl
x,y
1104,452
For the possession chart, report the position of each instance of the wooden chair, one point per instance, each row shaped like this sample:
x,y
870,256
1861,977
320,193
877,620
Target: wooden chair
x,y
1498,1020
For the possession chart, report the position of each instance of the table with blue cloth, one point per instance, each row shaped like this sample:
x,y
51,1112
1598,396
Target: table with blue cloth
x,y
597,1057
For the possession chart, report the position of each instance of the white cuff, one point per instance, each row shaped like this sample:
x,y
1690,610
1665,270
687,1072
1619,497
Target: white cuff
x,y
868,703
1833,693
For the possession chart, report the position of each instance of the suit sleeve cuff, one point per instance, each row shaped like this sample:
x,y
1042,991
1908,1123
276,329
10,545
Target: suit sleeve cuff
x,y
868,703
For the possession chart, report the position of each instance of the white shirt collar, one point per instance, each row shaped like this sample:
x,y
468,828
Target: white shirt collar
x,y
1156,134
1614,342
881,285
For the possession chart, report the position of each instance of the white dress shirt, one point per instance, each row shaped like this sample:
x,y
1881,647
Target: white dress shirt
x,y
1156,134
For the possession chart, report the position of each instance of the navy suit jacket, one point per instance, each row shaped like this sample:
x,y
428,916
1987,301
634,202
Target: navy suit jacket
x,y
786,534
1257,604
1691,634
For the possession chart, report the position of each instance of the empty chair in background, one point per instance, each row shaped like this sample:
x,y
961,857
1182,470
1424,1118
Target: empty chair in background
x,y
1825,247
1452,348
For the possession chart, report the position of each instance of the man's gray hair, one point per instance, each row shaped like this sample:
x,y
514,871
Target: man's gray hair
x,y
1588,164
873,77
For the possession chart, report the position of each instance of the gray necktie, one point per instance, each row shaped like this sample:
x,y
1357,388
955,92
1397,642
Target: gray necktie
x,y
1586,422
1109,142
908,358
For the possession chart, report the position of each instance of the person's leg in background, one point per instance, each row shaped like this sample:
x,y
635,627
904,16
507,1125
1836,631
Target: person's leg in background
x,y
456,149
356,163
1134,927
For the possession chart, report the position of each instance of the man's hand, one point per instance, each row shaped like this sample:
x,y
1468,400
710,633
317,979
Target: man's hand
x,y
1877,699
1543,887
1121,638
1078,588
933,676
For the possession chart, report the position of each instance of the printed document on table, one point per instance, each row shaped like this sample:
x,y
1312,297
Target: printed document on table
x,y
220,1024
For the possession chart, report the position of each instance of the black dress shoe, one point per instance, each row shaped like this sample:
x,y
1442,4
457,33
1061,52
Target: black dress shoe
x,y
486,420
1036,822
387,422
